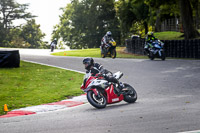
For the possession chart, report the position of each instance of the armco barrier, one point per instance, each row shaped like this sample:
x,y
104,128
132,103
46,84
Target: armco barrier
x,y
173,48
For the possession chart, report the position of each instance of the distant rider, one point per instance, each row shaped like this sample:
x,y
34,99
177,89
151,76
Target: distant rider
x,y
105,41
148,41
54,43
96,68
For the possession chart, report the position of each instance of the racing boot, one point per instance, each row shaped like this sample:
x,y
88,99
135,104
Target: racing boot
x,y
120,87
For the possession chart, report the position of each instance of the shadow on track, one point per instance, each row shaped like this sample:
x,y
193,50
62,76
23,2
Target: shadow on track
x,y
112,106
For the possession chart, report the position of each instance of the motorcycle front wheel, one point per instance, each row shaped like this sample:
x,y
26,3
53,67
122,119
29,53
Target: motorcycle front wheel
x,y
163,56
52,48
102,55
151,56
130,93
113,53
96,101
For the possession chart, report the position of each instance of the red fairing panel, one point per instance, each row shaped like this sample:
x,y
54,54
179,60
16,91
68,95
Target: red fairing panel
x,y
87,83
112,97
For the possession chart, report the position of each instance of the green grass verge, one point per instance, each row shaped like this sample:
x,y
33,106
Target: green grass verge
x,y
34,84
169,35
95,52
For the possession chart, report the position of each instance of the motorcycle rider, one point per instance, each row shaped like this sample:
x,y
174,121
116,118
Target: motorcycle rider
x,y
106,39
54,43
96,68
148,41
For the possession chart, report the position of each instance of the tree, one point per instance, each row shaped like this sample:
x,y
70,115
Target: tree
x,y
32,34
187,19
17,41
170,7
84,23
133,16
11,10
141,11
126,16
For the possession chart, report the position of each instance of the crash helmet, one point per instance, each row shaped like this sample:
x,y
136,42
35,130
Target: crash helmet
x,y
88,62
109,34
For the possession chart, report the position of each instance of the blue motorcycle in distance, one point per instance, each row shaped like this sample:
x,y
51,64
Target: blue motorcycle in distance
x,y
156,50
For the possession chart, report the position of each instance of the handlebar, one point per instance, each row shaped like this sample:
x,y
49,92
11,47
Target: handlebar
x,y
100,75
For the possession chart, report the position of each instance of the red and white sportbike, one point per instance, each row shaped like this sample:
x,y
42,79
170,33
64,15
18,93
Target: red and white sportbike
x,y
100,92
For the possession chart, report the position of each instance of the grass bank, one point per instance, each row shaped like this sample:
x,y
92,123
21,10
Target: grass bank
x,y
169,35
34,84
95,52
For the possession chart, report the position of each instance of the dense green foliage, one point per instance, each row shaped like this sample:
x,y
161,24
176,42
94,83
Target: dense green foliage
x,y
28,35
32,34
84,23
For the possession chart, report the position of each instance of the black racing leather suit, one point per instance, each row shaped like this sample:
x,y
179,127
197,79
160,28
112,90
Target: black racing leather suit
x,y
98,69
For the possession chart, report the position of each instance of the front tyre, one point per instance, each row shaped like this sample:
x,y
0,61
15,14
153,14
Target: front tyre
x,y
163,56
130,94
52,48
97,102
151,56
102,55
113,53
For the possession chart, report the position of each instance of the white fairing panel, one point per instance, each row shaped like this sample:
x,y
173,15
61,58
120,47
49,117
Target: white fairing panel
x,y
118,75
98,82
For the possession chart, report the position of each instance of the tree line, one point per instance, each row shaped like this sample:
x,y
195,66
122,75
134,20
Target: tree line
x,y
83,23
27,35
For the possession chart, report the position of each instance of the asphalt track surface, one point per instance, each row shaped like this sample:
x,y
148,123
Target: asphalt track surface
x,y
168,100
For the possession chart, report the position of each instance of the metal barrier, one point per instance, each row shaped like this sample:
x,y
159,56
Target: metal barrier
x,y
173,48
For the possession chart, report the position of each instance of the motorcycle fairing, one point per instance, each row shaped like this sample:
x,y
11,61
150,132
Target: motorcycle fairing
x,y
118,75
111,96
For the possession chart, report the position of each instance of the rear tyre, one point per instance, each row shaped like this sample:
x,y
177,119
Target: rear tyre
x,y
131,97
97,102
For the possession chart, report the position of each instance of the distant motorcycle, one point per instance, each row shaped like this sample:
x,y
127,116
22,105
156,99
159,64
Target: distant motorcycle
x,y
52,48
156,50
100,92
109,50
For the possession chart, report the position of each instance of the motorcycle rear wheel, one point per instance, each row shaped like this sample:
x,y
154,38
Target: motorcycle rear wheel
x,y
131,97
96,101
